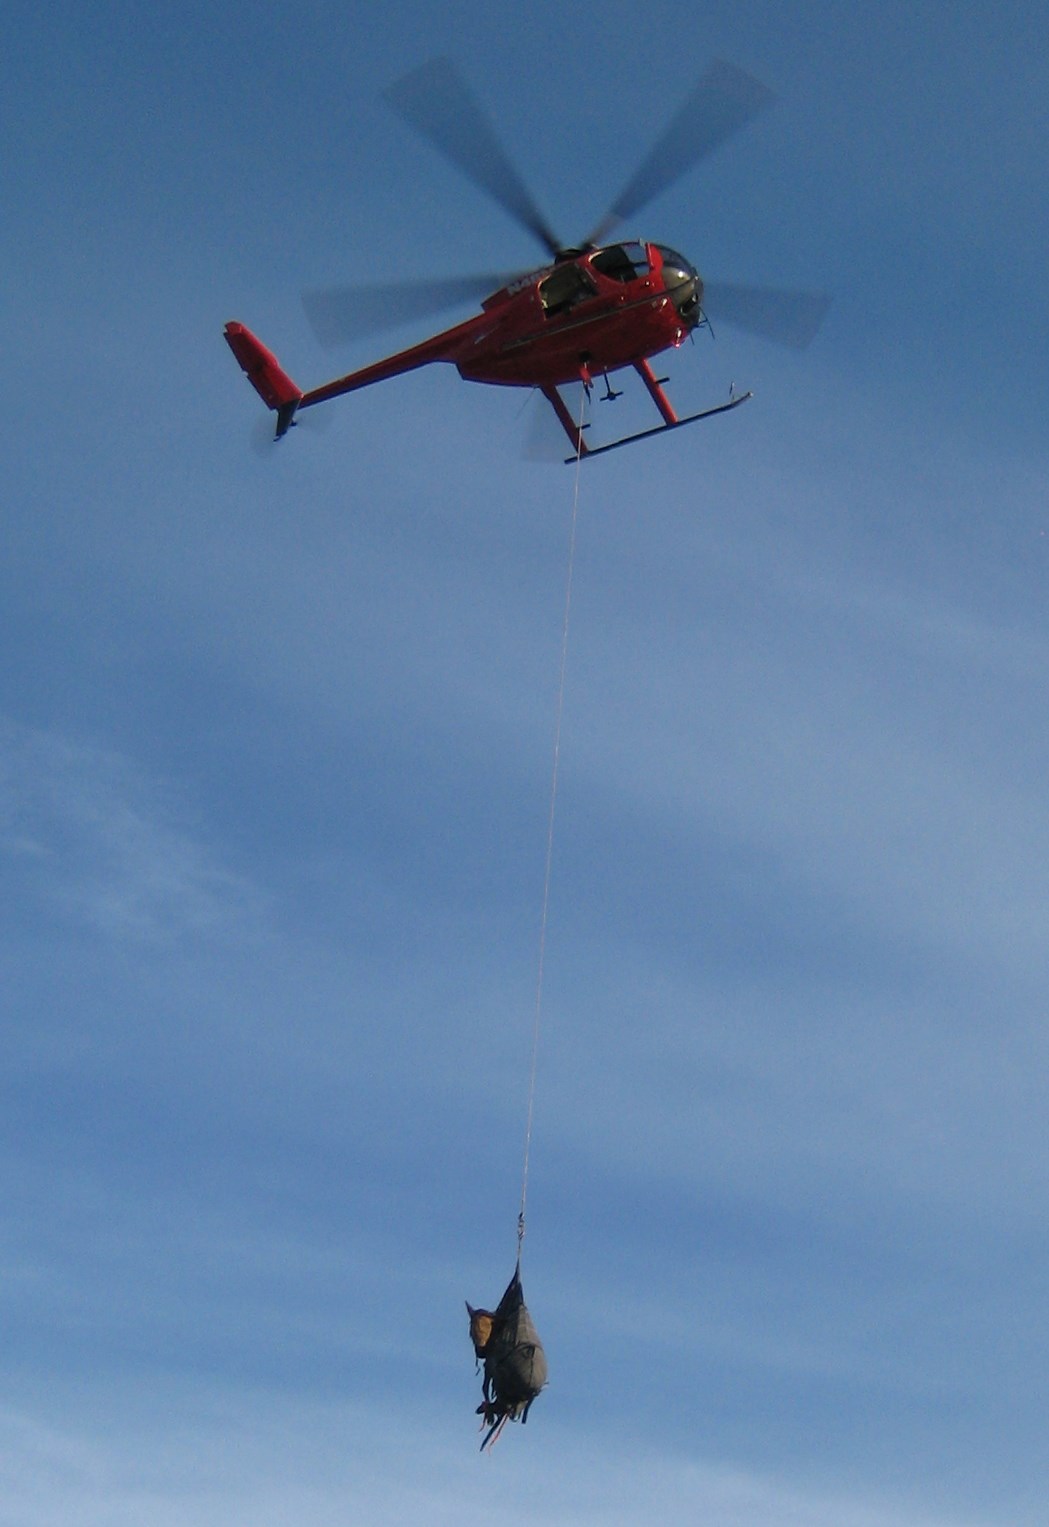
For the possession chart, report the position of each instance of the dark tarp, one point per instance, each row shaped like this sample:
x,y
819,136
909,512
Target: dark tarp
x,y
514,1360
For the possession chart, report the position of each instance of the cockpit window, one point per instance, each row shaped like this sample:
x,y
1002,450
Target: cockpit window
x,y
622,262
671,257
563,288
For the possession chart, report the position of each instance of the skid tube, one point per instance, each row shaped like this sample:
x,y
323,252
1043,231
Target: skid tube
x,y
654,386
660,429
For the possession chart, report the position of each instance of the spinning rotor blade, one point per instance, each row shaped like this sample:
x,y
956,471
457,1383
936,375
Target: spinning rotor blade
x,y
353,312
722,102
434,100
341,313
787,318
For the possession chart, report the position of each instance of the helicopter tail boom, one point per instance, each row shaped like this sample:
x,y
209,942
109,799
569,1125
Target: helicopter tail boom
x,y
265,373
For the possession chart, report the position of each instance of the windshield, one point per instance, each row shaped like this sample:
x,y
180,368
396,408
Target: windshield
x,y
677,261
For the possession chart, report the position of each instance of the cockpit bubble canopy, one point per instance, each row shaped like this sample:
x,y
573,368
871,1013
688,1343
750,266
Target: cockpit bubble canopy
x,y
681,279
630,260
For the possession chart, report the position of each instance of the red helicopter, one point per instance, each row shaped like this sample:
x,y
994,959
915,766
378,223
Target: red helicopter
x,y
595,309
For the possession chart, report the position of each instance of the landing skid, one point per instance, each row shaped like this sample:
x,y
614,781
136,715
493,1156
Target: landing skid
x,y
660,429
659,397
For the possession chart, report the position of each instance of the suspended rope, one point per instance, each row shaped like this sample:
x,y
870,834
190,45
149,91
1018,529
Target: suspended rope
x,y
537,1023
505,1339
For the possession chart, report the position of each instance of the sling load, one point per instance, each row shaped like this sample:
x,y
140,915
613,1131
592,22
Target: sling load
x,y
506,1341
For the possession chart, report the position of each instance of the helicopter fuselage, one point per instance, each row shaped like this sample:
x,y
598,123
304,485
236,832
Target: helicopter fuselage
x,y
593,314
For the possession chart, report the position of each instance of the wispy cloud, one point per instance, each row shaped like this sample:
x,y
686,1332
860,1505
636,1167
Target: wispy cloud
x,y
247,1458
87,831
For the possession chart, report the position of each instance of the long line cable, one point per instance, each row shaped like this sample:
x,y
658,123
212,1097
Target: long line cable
x,y
537,1023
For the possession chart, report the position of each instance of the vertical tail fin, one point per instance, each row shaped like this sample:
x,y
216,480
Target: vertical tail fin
x,y
262,369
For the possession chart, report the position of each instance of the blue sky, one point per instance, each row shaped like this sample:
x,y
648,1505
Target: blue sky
x,y
275,741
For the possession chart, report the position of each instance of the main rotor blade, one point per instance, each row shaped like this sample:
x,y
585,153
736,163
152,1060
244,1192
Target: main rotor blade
x,y
722,102
341,313
434,100
787,318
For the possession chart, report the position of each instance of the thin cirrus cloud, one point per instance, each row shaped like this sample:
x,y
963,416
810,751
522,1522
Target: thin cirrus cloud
x,y
87,833
328,1463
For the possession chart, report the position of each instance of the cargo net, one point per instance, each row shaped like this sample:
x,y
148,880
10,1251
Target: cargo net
x,y
507,1343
